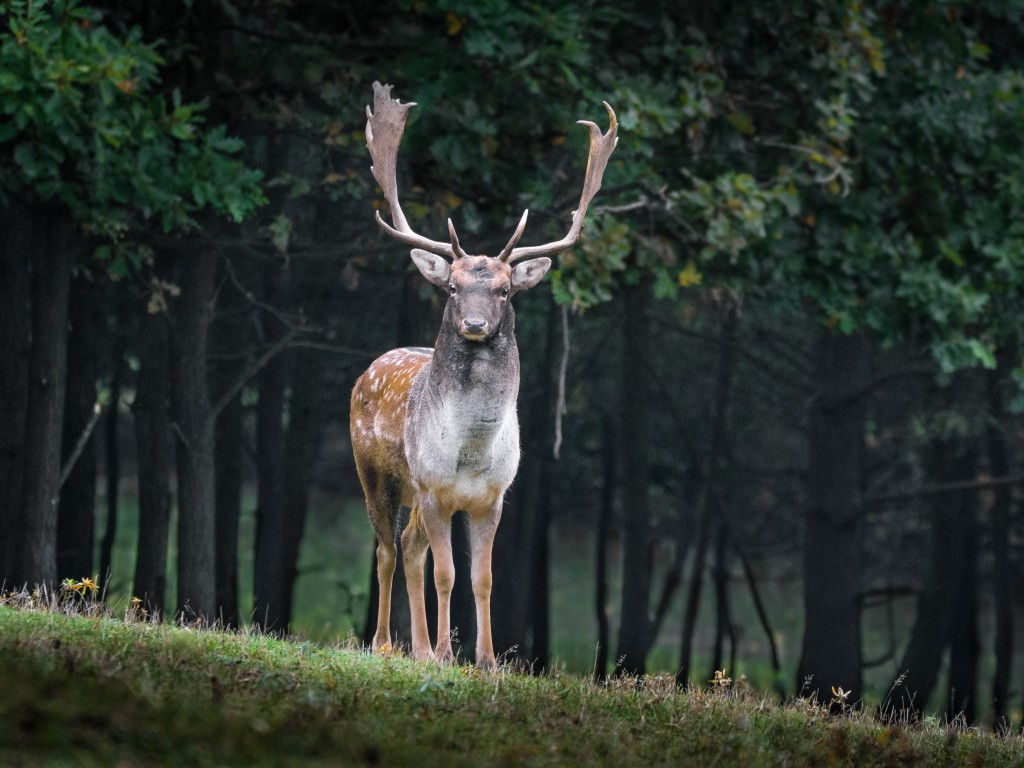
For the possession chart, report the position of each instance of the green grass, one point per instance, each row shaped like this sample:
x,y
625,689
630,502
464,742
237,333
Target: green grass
x,y
92,690
332,594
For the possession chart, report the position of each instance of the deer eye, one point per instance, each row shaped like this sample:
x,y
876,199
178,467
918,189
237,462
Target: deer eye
x,y
451,289
504,292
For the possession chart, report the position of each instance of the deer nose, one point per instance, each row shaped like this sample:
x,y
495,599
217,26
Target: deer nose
x,y
474,326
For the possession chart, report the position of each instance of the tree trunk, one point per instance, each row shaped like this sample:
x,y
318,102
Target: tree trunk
x,y
228,460
604,524
194,426
634,398
51,277
963,640
723,616
112,449
951,564
271,526
302,445
712,509
76,514
155,453
15,343
1002,573
269,561
540,573
831,652
228,339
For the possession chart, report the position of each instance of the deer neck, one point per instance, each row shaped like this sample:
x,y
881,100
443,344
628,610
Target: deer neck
x,y
488,368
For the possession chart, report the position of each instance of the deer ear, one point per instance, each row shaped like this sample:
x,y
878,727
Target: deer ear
x,y
529,273
432,267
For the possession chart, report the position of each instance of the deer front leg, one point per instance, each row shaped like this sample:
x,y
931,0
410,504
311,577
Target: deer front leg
x,y
481,537
414,555
438,526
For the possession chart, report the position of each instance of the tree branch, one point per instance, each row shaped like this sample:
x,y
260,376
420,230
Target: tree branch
x,y
83,439
252,369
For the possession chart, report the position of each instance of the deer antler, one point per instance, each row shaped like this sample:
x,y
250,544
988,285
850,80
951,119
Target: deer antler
x,y
601,148
384,128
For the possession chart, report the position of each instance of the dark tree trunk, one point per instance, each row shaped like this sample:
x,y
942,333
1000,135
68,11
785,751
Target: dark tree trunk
x,y
953,523
155,453
76,516
963,639
269,561
700,553
634,627
831,652
51,277
228,460
712,510
302,445
15,342
604,524
540,567
1002,573
194,427
228,338
723,617
112,451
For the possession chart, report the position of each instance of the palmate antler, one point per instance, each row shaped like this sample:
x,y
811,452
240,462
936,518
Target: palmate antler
x,y
384,128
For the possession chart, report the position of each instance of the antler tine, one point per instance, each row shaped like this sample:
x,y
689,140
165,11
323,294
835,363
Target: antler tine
x,y
384,128
507,250
456,248
601,148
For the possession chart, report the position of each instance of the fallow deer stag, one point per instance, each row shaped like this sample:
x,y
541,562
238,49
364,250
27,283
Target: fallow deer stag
x,y
436,429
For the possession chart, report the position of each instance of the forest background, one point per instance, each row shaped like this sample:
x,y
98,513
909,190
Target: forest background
x,y
770,404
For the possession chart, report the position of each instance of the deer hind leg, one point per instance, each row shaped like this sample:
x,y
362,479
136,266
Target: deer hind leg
x,y
382,506
481,538
414,555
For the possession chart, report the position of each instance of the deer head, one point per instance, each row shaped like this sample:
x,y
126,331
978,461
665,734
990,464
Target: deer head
x,y
479,287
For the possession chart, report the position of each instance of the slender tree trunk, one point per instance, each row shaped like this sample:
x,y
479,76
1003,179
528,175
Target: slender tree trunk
x,y
228,338
155,453
700,553
268,575
540,573
51,277
711,504
963,640
76,515
951,564
831,653
604,524
723,616
112,449
302,445
228,460
15,344
634,398
1002,573
194,427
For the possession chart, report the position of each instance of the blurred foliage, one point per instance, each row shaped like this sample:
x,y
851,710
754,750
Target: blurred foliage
x,y
863,161
88,124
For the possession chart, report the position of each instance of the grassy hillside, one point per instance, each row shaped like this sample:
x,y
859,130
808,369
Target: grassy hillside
x,y
98,691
